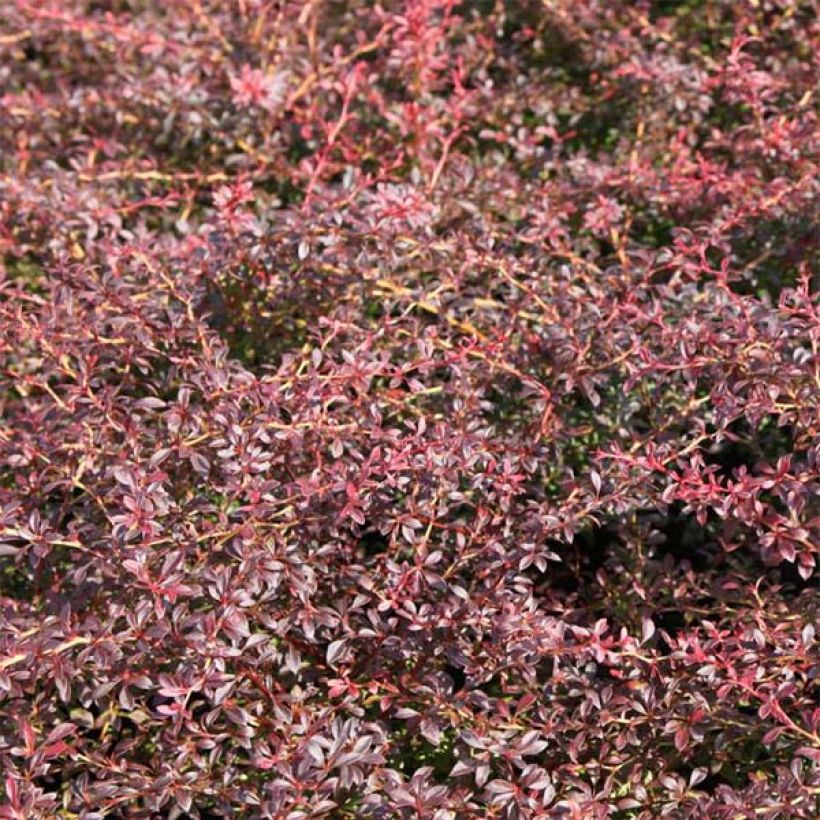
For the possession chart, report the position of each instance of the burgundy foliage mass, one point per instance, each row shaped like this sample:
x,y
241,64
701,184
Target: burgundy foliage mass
x,y
409,410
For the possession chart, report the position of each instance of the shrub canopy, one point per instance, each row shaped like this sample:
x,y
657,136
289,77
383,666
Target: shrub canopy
x,y
409,409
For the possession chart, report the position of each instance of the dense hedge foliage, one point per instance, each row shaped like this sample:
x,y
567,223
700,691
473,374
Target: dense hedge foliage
x,y
409,410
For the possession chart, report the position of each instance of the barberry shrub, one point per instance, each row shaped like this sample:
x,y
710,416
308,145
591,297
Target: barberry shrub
x,y
409,409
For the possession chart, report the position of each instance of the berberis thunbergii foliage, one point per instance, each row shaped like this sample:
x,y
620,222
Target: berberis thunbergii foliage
x,y
409,409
